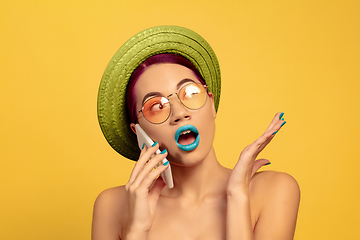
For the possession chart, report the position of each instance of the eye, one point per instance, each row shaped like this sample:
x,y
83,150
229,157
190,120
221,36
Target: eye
x,y
157,104
191,91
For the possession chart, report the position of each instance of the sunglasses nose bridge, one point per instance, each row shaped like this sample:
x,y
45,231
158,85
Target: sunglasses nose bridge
x,y
178,110
168,97
177,96
172,95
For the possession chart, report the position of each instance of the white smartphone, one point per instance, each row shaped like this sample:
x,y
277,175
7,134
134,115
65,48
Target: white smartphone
x,y
142,138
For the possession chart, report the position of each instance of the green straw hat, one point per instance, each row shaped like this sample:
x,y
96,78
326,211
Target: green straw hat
x,y
112,115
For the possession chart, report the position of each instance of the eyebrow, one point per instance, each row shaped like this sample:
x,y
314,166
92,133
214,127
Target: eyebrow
x,y
185,80
152,94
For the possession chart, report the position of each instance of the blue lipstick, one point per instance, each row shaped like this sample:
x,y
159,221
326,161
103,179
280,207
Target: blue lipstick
x,y
192,145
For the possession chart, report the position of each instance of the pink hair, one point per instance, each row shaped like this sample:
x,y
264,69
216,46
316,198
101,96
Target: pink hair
x,y
156,59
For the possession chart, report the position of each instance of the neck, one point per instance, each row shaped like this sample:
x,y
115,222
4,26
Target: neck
x,y
206,178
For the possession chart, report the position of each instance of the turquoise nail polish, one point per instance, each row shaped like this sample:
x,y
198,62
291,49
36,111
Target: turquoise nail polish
x,y
163,151
166,163
283,124
274,133
154,144
267,163
143,146
282,119
282,114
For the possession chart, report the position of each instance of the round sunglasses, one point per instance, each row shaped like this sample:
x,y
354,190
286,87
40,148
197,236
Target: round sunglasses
x,y
157,109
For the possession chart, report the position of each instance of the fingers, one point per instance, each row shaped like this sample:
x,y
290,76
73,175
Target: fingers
x,y
139,165
246,167
158,184
273,128
257,146
275,125
144,157
265,139
274,121
278,118
143,173
258,164
157,187
149,174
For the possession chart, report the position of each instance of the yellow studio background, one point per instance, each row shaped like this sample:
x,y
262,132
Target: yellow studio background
x,y
299,57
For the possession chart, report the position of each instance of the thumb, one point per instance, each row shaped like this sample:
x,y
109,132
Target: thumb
x,y
258,164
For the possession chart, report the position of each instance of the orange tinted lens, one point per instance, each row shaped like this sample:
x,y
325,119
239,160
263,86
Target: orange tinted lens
x,y
193,95
156,109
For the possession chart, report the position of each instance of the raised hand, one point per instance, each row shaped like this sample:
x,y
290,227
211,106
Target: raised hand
x,y
143,190
247,166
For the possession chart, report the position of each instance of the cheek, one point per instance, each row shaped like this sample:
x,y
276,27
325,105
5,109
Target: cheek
x,y
208,125
209,113
157,133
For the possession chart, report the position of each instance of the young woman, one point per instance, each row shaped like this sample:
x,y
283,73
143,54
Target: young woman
x,y
167,96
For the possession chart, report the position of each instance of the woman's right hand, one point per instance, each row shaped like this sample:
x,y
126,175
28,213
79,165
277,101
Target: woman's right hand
x,y
142,192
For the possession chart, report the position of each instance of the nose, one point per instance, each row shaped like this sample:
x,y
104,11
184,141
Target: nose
x,y
178,111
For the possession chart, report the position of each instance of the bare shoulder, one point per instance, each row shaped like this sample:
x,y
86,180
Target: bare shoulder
x,y
110,196
275,185
110,212
273,180
276,199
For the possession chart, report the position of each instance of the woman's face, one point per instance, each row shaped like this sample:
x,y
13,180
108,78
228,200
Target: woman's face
x,y
165,79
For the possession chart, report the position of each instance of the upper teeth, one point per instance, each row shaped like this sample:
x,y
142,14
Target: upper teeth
x,y
185,132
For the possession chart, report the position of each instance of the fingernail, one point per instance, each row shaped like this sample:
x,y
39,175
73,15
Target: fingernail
x,y
268,163
282,114
143,146
154,144
274,133
283,124
163,151
282,119
166,163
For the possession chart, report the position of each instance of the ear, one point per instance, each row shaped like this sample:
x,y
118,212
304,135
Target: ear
x,y
211,96
132,126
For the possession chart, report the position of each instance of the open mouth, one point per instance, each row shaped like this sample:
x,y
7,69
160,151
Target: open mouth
x,y
187,137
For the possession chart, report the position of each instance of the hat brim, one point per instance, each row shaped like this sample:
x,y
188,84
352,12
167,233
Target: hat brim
x,y
112,114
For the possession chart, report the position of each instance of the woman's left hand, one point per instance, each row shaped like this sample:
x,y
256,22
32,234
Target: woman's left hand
x,y
247,166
